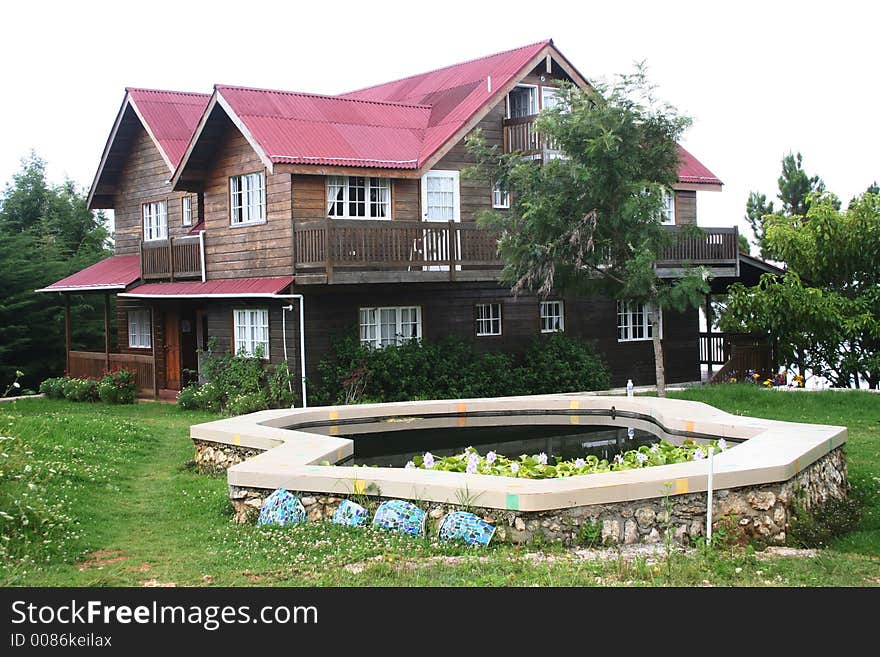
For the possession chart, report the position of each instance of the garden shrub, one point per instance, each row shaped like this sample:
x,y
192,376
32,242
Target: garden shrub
x,y
118,387
558,363
452,369
54,387
239,384
81,389
819,526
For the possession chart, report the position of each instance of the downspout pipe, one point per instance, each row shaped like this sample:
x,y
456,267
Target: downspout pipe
x,y
302,338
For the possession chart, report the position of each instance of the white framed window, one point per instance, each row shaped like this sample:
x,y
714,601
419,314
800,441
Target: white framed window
x,y
634,321
668,216
139,336
247,198
552,316
500,197
549,97
441,196
381,327
488,316
351,197
155,220
522,101
251,331
187,210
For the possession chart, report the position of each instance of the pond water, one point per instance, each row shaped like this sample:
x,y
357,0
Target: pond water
x,y
393,443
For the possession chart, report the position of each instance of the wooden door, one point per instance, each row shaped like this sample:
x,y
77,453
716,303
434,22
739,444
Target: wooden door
x,y
172,351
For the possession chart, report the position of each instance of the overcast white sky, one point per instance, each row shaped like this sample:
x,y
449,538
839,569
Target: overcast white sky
x,y
759,78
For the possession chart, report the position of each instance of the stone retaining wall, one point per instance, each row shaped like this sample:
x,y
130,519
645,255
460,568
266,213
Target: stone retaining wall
x,y
213,458
762,512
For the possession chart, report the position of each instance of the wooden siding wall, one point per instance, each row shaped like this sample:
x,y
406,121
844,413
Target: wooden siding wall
x,y
220,327
144,178
448,310
685,206
476,193
254,250
123,305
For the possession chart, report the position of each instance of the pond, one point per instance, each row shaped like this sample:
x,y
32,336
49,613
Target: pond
x,y
393,442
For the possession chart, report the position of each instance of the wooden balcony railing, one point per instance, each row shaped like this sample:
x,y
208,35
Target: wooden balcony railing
x,y
93,363
329,245
715,247
520,135
173,258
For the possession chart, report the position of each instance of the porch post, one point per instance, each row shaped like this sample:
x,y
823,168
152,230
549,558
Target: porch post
x,y
107,331
67,333
153,350
709,343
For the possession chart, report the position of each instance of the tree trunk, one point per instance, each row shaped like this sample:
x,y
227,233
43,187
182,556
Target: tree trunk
x,y
659,369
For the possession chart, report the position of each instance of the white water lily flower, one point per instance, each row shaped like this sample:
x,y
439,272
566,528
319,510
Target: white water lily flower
x,y
618,458
542,458
490,457
514,467
579,463
655,448
428,460
699,455
722,444
641,457
473,462
410,465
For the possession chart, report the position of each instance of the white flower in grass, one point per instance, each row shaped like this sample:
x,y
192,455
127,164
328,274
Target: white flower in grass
x,y
428,460
699,455
579,463
722,445
514,467
410,465
490,457
16,384
542,458
641,457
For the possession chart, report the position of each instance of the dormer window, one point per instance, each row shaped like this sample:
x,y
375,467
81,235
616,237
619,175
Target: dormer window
x,y
356,197
247,199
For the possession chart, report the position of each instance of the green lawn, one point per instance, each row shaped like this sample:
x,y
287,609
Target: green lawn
x,y
102,495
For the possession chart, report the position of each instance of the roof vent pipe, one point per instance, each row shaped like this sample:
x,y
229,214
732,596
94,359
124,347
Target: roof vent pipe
x,y
489,84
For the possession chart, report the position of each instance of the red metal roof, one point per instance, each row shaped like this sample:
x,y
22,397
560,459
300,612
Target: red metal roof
x,y
691,170
171,117
220,288
114,273
310,129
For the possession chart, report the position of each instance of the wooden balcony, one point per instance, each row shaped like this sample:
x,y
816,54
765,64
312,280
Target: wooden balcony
x,y
171,259
369,251
375,251
716,249
520,136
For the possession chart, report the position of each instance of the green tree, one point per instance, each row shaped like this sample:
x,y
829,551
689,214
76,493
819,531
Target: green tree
x,y
590,222
46,233
824,313
795,188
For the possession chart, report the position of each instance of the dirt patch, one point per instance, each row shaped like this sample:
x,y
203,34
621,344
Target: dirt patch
x,y
98,560
776,551
155,583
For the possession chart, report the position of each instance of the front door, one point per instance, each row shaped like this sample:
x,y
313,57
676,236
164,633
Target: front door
x,y
172,350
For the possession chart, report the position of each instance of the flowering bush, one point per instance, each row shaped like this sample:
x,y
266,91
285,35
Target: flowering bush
x,y
536,466
768,381
81,389
118,386
53,388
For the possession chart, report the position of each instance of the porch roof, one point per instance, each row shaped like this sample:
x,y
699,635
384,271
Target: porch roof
x,y
224,288
114,273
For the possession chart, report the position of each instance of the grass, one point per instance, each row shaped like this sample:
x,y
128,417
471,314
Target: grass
x,y
110,499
